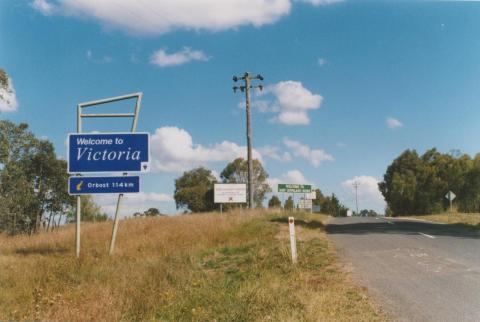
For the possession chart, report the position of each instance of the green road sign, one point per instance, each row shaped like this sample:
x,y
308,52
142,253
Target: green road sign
x,y
294,188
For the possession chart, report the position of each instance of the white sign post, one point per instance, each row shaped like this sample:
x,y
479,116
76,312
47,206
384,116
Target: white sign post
x,y
450,196
293,242
229,193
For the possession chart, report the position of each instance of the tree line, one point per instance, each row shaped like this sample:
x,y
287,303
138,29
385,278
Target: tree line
x,y
194,189
33,184
32,180
329,205
417,184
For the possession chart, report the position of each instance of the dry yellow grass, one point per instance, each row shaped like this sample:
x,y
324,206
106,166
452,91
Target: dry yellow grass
x,y
232,267
472,219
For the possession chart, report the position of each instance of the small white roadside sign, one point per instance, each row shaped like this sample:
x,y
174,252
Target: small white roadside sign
x,y
230,193
312,195
305,204
450,195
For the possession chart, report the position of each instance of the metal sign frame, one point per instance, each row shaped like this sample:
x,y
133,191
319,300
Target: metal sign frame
x,y
133,129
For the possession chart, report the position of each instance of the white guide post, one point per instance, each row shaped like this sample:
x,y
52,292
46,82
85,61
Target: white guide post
x,y
293,242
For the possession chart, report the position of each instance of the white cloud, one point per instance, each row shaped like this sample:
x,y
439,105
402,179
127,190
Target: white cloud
x,y
275,153
291,101
393,123
369,196
103,60
154,17
292,118
341,144
263,106
295,176
8,98
43,6
173,150
292,176
163,59
291,95
314,156
321,2
321,62
131,203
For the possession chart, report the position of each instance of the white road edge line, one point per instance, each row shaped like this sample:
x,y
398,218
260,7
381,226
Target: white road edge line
x,y
426,235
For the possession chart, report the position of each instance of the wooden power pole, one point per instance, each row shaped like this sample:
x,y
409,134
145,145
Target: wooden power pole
x,y
247,78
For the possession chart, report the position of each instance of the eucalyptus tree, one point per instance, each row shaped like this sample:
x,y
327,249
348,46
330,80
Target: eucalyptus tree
x,y
194,190
32,180
237,172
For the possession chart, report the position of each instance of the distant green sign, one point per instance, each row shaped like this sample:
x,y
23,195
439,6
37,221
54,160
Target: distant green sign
x,y
294,188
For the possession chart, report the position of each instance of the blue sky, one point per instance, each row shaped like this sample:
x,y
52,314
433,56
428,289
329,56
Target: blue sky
x,y
349,84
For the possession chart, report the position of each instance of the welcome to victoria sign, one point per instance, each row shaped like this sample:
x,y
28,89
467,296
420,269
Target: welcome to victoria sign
x,y
107,152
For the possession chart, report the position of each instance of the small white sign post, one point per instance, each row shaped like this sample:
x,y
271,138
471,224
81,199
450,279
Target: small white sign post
x,y
229,193
293,242
450,196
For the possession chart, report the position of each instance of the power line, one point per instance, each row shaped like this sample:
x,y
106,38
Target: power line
x,y
247,78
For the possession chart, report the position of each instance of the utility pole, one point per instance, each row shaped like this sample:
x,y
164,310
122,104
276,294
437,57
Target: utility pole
x,y
355,185
247,78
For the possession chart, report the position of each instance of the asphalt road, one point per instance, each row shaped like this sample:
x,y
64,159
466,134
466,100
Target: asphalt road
x,y
417,271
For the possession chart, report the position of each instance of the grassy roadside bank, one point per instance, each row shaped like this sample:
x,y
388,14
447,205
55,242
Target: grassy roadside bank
x,y
453,218
234,267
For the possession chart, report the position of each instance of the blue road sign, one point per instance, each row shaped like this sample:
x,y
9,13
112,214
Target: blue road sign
x,y
94,185
108,152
